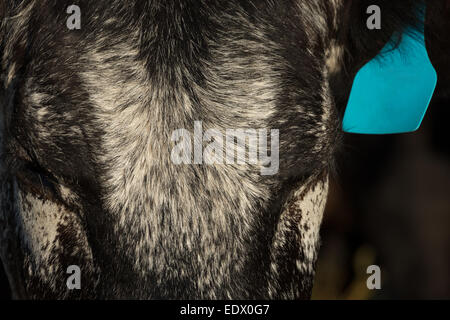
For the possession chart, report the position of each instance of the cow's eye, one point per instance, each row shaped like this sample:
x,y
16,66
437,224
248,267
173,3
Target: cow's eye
x,y
33,179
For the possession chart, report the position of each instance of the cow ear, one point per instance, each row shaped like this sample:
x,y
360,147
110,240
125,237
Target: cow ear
x,y
391,93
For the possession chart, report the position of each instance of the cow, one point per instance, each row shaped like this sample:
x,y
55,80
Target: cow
x,y
87,117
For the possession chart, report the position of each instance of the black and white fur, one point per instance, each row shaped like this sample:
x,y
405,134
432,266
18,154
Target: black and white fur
x,y
86,118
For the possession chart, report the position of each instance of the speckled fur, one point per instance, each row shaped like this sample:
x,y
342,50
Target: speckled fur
x,y
86,119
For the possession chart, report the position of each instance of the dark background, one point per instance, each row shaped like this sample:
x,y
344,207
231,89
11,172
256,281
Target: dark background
x,y
390,206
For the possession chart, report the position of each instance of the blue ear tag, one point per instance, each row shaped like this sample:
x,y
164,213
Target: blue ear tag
x,y
391,93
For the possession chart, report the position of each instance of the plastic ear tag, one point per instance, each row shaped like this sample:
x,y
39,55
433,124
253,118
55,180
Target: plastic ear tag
x,y
391,93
